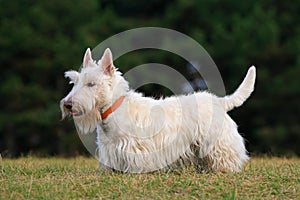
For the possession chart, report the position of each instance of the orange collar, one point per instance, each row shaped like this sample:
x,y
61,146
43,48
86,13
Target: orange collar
x,y
113,107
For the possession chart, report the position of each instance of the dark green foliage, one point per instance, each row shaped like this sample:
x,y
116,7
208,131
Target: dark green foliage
x,y
39,40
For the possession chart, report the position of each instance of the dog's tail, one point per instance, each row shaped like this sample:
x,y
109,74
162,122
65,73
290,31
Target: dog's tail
x,y
243,91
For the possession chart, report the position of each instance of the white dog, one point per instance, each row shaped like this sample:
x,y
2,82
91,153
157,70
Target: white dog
x,y
141,134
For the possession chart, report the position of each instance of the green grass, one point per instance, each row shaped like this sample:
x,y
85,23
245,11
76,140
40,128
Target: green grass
x,y
79,178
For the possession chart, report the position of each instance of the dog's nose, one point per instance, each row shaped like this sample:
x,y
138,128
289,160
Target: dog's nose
x,y
68,105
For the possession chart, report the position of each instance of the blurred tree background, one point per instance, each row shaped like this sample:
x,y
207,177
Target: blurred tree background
x,y
39,40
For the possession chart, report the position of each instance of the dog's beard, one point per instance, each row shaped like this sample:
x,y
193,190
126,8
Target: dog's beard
x,y
86,117
87,122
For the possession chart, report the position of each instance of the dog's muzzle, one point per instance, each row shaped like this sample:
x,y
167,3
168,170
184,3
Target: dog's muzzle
x,y
68,107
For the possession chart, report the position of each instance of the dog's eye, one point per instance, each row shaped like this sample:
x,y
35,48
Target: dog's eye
x,y
90,84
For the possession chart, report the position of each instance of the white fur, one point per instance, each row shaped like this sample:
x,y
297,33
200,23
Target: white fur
x,y
144,134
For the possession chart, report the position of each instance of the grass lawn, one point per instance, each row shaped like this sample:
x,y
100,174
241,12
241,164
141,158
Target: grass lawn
x,y
79,178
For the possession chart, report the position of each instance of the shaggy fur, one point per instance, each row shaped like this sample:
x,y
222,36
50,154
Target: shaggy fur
x,y
145,134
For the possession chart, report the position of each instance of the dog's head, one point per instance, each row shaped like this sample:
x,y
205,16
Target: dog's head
x,y
92,90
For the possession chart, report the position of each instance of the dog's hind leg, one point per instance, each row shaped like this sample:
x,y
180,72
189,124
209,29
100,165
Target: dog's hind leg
x,y
229,152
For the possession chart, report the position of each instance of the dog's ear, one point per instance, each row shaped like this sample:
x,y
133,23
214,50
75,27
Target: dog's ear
x,y
73,76
87,57
107,62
